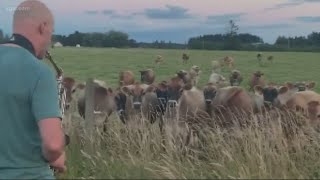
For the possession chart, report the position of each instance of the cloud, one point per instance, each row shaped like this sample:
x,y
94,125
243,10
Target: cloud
x,y
311,0
284,5
308,19
170,12
108,12
225,18
92,12
269,26
290,3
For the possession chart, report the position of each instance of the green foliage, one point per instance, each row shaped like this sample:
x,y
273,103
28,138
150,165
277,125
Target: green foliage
x,y
1,35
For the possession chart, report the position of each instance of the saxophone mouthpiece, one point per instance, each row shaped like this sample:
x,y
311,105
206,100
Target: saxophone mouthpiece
x,y
47,54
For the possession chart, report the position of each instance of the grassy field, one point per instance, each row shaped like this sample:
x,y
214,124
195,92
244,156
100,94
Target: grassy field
x,y
105,64
135,152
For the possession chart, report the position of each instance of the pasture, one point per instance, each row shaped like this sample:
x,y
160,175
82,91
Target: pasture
x,y
135,152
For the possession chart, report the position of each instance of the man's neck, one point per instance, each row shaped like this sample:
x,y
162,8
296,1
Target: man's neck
x,y
23,41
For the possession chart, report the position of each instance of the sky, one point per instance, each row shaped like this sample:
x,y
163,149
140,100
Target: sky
x,y
178,20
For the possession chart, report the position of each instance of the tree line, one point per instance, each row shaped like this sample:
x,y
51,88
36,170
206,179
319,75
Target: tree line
x,y
231,40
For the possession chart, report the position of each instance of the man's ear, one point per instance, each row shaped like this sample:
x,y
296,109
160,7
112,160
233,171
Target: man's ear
x,y
42,27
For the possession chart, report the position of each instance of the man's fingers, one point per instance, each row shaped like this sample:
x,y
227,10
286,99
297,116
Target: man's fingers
x,y
60,169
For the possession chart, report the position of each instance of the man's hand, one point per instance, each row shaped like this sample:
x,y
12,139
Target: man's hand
x,y
59,164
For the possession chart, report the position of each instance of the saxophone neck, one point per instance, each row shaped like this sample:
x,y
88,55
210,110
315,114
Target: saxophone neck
x,y
58,69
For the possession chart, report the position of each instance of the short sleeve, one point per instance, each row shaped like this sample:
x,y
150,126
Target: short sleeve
x,y
45,98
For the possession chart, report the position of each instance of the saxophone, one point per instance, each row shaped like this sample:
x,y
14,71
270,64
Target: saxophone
x,y
61,89
61,93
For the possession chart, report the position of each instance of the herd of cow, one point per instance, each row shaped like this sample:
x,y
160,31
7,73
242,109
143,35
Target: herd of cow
x,y
181,98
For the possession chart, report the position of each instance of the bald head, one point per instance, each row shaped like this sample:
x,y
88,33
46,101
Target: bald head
x,y
34,20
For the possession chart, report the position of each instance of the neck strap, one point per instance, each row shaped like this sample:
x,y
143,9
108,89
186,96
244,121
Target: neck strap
x,y
22,41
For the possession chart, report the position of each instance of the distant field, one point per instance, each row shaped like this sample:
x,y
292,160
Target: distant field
x,y
106,63
254,152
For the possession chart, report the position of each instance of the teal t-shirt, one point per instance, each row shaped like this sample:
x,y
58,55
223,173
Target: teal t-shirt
x,y
28,94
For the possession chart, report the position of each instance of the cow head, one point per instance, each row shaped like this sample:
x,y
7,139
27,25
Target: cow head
x,y
126,78
101,92
185,56
196,69
144,75
303,86
136,92
259,55
69,84
162,94
235,78
285,92
182,74
147,75
209,92
314,111
270,93
258,74
174,91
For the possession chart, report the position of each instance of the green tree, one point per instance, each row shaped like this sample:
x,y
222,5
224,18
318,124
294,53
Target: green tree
x,y
232,41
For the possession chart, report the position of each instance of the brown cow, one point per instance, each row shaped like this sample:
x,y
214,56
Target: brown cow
x,y
185,58
235,78
217,79
259,57
286,91
215,66
195,72
190,77
147,76
270,58
256,79
126,78
69,85
302,86
158,60
306,102
313,110
104,101
185,107
134,96
228,61
233,100
184,76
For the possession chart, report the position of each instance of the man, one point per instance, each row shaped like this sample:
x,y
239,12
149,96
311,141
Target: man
x,y
31,136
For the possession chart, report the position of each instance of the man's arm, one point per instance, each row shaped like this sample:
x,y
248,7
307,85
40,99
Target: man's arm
x,y
45,107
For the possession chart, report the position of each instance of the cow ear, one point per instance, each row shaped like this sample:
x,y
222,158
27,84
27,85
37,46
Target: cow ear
x,y
150,89
101,90
109,91
311,85
283,90
187,86
313,104
289,85
258,89
181,91
126,90
81,86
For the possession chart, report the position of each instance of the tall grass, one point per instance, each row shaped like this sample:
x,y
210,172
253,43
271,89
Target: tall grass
x,y
278,145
